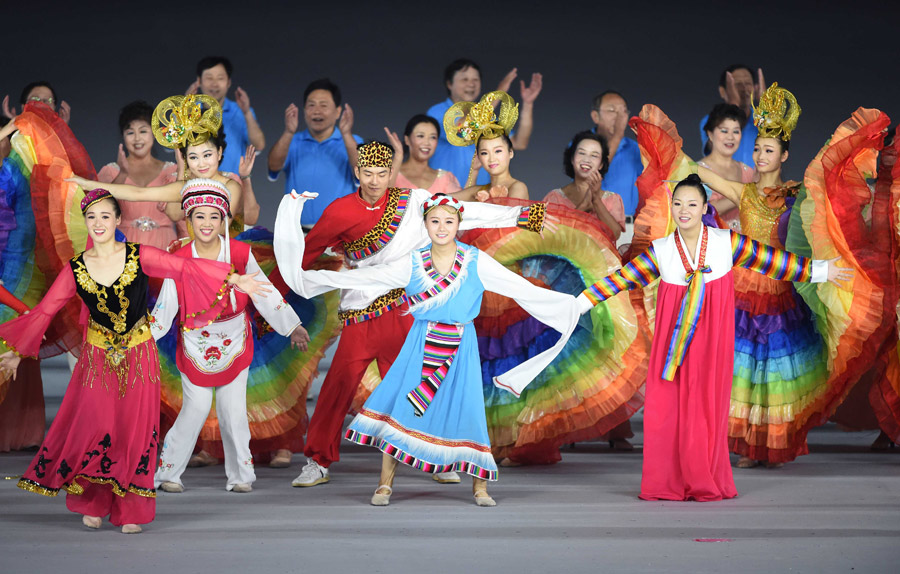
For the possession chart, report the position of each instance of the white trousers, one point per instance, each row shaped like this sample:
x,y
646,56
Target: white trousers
x,y
231,409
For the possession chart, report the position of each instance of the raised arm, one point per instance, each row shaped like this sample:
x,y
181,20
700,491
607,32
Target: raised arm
x,y
730,189
279,152
254,132
522,136
639,272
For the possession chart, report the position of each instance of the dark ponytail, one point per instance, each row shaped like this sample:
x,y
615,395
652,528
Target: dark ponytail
x,y
693,180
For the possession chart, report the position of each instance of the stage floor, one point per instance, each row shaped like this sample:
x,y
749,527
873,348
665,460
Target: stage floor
x,y
835,510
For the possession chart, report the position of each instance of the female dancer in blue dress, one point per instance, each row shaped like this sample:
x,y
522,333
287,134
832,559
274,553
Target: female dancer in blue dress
x,y
428,412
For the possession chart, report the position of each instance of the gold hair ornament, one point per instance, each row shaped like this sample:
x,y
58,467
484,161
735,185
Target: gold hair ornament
x,y
467,122
180,121
773,117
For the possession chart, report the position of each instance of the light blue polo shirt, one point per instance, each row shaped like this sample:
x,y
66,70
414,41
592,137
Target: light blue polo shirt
x,y
236,137
624,170
744,153
319,167
449,157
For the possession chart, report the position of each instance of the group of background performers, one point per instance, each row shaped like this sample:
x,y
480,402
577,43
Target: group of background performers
x,y
478,328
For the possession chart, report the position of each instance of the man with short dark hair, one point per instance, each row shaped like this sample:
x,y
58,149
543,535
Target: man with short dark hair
x,y
238,118
609,112
739,85
462,79
40,91
319,158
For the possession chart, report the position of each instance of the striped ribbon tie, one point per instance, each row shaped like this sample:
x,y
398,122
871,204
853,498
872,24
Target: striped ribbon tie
x,y
691,306
442,340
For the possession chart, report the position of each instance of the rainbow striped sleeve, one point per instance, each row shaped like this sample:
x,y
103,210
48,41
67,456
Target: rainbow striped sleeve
x,y
638,272
770,261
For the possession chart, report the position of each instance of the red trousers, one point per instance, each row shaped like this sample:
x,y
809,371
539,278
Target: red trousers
x,y
99,500
376,339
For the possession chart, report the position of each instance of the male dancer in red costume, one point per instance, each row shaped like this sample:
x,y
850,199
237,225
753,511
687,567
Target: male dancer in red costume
x,y
376,224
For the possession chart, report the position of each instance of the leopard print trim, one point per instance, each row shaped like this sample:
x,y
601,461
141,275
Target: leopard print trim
x,y
532,217
383,231
390,300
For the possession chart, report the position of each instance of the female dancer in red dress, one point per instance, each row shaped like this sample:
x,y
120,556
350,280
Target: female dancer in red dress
x,y
102,447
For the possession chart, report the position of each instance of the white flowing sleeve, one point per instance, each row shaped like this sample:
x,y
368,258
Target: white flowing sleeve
x,y
272,306
478,215
165,310
289,247
556,310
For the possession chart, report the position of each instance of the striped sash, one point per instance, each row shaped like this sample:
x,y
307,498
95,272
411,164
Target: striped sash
x,y
691,306
442,340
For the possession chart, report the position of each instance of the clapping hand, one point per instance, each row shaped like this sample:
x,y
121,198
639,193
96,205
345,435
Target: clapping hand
x,y
247,160
530,93
242,99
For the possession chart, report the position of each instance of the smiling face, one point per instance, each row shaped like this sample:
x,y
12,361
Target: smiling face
x,y
767,155
215,82
207,224
587,159
101,220
203,160
494,155
465,85
320,112
138,138
726,138
442,223
688,207
422,141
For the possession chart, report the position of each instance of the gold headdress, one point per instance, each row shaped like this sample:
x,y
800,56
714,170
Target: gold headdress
x,y
772,117
467,122
375,154
186,120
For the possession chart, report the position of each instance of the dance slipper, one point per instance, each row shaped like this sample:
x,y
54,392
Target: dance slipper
x,y
92,522
131,529
382,499
482,498
172,487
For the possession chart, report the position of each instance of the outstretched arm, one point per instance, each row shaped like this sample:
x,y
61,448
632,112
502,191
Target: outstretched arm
x,y
639,272
784,265
23,334
170,192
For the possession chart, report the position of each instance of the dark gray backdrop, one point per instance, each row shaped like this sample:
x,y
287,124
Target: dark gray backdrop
x,y
388,58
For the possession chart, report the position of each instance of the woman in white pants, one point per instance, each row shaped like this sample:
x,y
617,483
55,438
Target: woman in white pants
x,y
216,358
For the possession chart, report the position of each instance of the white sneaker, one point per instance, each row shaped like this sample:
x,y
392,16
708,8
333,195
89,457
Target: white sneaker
x,y
446,477
312,474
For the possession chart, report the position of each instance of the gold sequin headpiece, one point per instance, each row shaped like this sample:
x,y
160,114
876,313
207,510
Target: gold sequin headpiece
x,y
180,121
773,117
467,122
375,154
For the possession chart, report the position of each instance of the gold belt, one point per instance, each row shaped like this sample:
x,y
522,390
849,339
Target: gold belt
x,y
116,344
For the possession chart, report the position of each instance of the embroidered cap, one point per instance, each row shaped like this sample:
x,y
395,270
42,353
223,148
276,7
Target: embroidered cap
x,y
442,200
203,192
94,196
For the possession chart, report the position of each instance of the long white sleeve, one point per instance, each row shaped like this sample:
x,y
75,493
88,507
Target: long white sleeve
x,y
165,310
289,247
272,306
556,310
